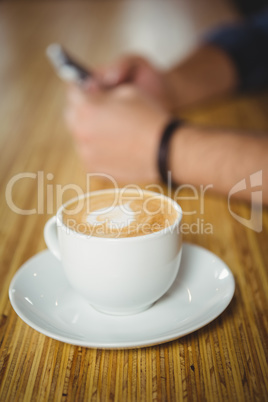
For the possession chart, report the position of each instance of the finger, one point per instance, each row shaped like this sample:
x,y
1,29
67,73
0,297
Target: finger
x,y
92,85
80,98
123,70
75,95
69,115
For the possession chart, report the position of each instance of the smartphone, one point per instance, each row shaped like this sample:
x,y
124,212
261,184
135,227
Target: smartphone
x,y
66,67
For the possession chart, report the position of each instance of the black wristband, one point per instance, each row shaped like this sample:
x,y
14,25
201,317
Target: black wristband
x,y
164,148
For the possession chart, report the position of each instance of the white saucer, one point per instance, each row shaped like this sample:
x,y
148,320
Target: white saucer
x,y
42,297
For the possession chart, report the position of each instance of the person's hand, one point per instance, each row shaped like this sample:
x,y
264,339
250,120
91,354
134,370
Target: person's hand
x,y
117,131
139,72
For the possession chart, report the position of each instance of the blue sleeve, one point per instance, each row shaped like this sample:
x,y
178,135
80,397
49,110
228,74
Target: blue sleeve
x,y
246,43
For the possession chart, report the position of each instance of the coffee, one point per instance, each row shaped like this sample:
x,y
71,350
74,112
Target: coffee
x,y
114,273
119,214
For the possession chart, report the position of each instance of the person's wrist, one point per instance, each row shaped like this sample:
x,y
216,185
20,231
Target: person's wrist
x,y
171,128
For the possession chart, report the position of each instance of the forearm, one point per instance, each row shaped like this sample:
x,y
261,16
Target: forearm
x,y
231,57
219,158
206,73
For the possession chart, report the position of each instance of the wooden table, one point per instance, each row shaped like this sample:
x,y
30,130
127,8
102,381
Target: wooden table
x,y
225,360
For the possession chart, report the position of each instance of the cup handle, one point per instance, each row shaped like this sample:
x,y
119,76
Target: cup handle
x,y
51,237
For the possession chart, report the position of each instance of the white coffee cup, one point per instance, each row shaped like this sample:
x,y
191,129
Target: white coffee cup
x,y
118,276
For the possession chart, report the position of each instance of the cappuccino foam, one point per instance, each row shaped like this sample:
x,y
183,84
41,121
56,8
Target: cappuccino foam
x,y
113,214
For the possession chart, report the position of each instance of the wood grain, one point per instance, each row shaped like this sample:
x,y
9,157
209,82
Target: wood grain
x,y
224,361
